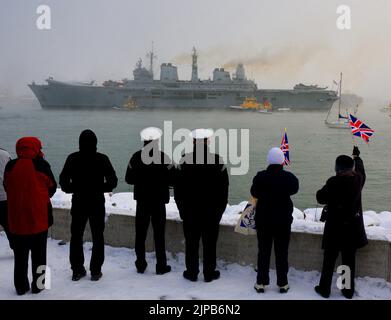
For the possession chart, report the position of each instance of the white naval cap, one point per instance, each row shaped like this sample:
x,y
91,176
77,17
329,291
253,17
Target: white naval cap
x,y
275,156
150,133
201,133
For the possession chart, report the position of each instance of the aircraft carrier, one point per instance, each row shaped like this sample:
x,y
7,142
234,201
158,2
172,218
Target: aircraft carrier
x,y
222,91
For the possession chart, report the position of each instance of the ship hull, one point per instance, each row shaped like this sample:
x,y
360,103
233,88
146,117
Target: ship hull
x,y
294,100
62,95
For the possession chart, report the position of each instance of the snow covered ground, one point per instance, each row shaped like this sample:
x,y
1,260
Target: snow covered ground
x,y
121,281
378,225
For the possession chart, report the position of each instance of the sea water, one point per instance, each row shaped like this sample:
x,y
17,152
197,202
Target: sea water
x,y
313,145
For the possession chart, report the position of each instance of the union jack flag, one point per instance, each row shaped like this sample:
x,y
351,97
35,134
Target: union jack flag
x,y
285,149
359,129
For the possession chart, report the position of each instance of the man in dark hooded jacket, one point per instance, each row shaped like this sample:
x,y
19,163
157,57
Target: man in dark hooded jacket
x,y
87,174
151,172
201,194
344,229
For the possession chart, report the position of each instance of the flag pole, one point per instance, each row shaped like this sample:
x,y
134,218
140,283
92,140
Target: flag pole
x,y
353,136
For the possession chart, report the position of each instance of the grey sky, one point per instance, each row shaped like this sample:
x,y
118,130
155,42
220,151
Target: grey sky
x,y
281,42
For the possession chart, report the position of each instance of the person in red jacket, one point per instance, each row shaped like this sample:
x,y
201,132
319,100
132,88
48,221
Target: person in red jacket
x,y
29,184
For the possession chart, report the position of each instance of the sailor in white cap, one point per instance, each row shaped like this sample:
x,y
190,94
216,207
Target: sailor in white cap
x,y
273,187
151,173
201,194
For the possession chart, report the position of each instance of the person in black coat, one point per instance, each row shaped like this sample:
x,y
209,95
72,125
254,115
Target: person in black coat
x,y
151,173
344,230
201,194
273,188
87,174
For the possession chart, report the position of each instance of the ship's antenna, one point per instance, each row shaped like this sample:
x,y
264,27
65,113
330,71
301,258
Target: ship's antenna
x,y
194,67
151,56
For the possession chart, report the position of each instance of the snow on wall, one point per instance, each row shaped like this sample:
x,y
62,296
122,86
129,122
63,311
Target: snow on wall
x,y
378,225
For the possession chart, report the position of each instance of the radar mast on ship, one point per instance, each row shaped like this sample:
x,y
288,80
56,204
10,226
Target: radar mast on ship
x,y
151,56
194,67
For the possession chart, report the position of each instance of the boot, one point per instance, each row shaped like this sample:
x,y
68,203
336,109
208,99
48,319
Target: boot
x,y
163,270
213,276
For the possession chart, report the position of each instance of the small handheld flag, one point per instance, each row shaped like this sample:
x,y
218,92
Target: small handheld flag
x,y
285,149
360,129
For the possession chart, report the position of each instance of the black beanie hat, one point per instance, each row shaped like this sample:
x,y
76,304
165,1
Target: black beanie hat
x,y
344,163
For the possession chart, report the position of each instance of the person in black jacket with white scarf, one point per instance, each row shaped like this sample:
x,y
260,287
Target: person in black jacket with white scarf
x,y
273,189
344,230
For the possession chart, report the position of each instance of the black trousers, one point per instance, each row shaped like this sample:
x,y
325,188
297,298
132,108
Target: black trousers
x,y
23,245
329,259
147,212
4,220
280,236
94,213
196,228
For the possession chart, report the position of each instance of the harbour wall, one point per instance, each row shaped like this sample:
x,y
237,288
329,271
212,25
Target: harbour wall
x,y
305,252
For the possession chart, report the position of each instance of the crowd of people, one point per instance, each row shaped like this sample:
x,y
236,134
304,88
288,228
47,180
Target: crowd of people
x,y
27,184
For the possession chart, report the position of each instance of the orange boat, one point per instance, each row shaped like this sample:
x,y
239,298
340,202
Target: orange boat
x,y
248,104
253,104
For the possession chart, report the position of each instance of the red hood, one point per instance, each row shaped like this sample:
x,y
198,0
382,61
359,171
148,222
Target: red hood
x,y
29,148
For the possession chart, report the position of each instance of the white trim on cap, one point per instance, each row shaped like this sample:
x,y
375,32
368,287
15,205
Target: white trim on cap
x,y
201,133
151,133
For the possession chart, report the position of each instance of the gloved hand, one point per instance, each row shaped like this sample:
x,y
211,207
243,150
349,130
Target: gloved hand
x,y
356,151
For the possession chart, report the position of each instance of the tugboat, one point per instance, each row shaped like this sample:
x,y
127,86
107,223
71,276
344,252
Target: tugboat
x,y
266,107
386,109
251,104
129,104
248,104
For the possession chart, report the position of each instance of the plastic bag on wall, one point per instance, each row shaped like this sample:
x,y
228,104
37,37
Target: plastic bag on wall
x,y
246,222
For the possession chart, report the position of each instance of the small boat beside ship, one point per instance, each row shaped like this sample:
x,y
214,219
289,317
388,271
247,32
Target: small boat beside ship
x,y
251,104
386,109
129,105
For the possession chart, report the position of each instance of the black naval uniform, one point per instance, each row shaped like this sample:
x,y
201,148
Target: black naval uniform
x,y
201,194
87,174
151,190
